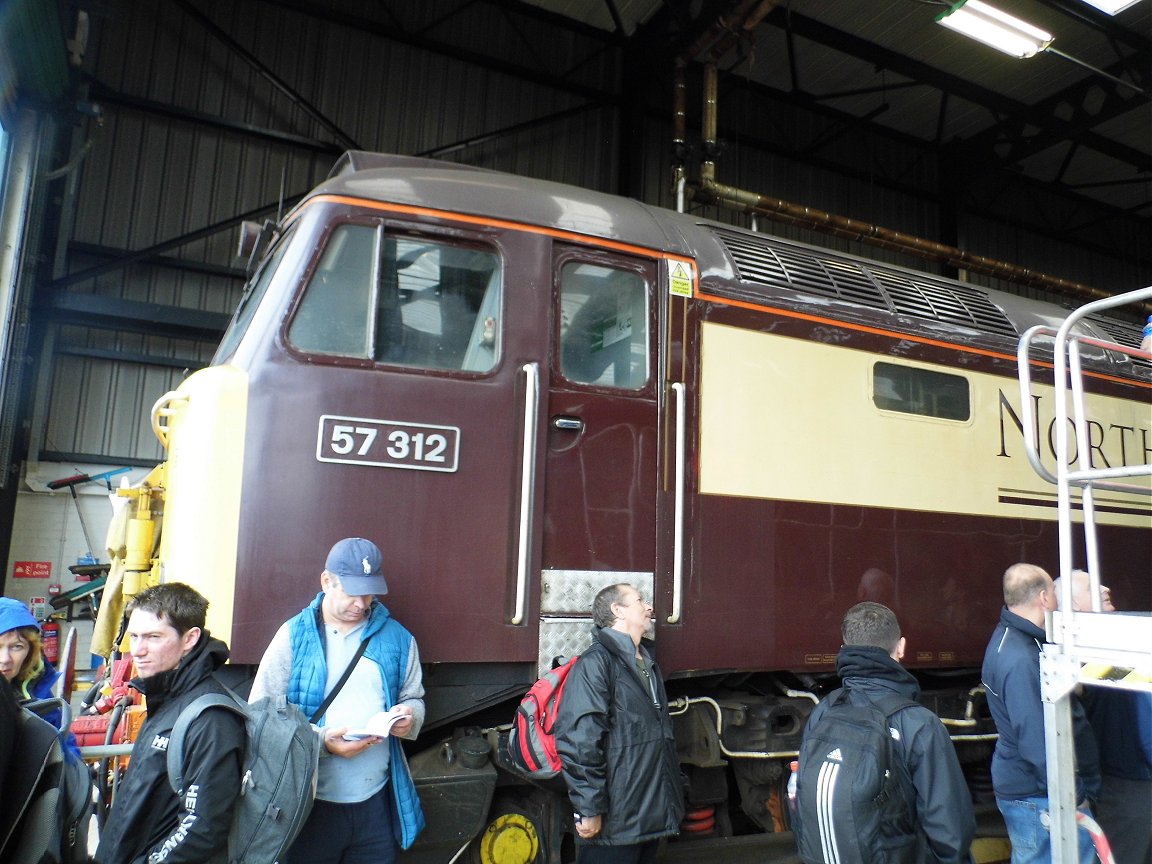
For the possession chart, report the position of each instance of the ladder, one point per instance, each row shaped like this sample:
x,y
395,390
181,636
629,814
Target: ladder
x,y
1093,648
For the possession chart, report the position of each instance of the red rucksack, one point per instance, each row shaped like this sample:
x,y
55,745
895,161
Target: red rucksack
x,y
531,741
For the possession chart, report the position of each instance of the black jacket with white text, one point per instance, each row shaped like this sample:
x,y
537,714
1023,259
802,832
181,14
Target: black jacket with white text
x,y
149,823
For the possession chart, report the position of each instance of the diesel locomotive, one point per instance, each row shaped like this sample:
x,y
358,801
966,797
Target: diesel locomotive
x,y
524,391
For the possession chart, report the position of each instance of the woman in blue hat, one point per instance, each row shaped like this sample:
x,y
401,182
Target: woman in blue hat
x,y
22,661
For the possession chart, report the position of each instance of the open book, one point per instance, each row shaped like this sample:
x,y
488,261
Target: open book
x,y
378,725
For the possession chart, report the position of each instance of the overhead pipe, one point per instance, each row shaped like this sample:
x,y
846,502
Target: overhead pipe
x,y
727,30
708,125
708,191
679,133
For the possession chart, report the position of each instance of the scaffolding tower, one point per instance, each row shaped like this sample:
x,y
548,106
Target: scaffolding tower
x,y
1091,648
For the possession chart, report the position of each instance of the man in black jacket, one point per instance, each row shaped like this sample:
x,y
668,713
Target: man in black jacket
x,y
941,824
175,661
615,739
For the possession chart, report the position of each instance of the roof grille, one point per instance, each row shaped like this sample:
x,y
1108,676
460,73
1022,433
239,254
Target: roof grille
x,y
1120,332
766,261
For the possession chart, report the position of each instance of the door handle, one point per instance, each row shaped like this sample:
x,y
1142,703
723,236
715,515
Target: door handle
x,y
568,424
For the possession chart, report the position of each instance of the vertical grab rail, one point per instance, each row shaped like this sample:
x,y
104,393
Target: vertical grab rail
x,y
527,486
678,392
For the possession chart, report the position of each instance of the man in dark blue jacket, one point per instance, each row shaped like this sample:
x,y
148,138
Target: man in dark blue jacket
x,y
615,739
1011,677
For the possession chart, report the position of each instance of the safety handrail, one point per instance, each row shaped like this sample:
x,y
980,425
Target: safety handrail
x,y
679,394
1028,414
527,486
1061,662
160,409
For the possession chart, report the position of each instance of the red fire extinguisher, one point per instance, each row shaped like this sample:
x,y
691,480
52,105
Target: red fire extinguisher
x,y
50,640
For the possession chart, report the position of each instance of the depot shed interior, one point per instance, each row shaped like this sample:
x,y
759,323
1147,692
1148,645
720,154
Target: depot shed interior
x,y
137,135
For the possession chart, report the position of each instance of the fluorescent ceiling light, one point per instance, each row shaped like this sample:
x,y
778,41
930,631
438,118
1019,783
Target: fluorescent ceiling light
x,y
1112,7
1000,30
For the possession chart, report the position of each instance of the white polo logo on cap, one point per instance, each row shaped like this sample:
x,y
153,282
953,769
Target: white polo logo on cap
x,y
367,566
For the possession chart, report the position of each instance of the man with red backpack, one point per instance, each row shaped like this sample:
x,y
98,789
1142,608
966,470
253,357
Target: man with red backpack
x,y
615,741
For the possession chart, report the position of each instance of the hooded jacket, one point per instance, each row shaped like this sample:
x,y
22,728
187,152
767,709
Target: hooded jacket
x,y
616,744
942,823
149,823
1011,678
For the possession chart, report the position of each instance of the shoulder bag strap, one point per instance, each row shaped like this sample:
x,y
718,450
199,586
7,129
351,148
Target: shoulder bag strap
x,y
340,684
175,753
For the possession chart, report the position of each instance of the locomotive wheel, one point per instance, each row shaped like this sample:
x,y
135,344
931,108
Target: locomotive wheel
x,y
512,836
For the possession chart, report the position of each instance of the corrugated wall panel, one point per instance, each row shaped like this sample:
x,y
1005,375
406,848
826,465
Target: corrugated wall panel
x,y
84,386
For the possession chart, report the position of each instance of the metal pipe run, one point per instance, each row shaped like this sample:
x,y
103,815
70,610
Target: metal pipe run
x,y
717,41
709,191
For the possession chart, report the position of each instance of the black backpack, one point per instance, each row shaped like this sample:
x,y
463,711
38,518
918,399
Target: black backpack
x,y
853,799
47,798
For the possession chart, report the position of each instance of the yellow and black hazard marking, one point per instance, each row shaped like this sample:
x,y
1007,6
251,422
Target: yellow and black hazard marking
x,y
1106,672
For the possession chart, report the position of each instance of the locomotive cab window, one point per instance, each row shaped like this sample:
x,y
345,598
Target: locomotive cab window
x,y
251,301
404,301
909,390
603,326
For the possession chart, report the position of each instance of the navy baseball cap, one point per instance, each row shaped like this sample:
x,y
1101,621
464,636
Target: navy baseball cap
x,y
357,562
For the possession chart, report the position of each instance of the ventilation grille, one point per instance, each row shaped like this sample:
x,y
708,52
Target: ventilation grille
x,y
763,261
1120,332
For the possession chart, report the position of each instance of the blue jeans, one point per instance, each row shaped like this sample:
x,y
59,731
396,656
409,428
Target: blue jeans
x,y
1029,831
348,833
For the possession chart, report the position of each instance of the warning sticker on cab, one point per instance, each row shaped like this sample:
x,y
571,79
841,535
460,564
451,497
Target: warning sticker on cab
x,y
679,278
387,443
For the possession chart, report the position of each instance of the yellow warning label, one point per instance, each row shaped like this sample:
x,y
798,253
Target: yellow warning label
x,y
679,279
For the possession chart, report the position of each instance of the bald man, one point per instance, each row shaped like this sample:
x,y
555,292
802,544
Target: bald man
x,y
1011,677
1082,593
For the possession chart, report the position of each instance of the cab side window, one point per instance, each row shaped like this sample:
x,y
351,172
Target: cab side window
x,y
333,314
603,326
403,301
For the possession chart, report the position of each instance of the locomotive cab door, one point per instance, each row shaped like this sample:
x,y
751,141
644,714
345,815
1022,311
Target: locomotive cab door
x,y
600,464
399,366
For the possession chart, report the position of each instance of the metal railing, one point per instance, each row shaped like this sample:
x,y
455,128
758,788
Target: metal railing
x,y
1094,648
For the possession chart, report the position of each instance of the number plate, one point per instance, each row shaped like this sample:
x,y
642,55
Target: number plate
x,y
387,444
